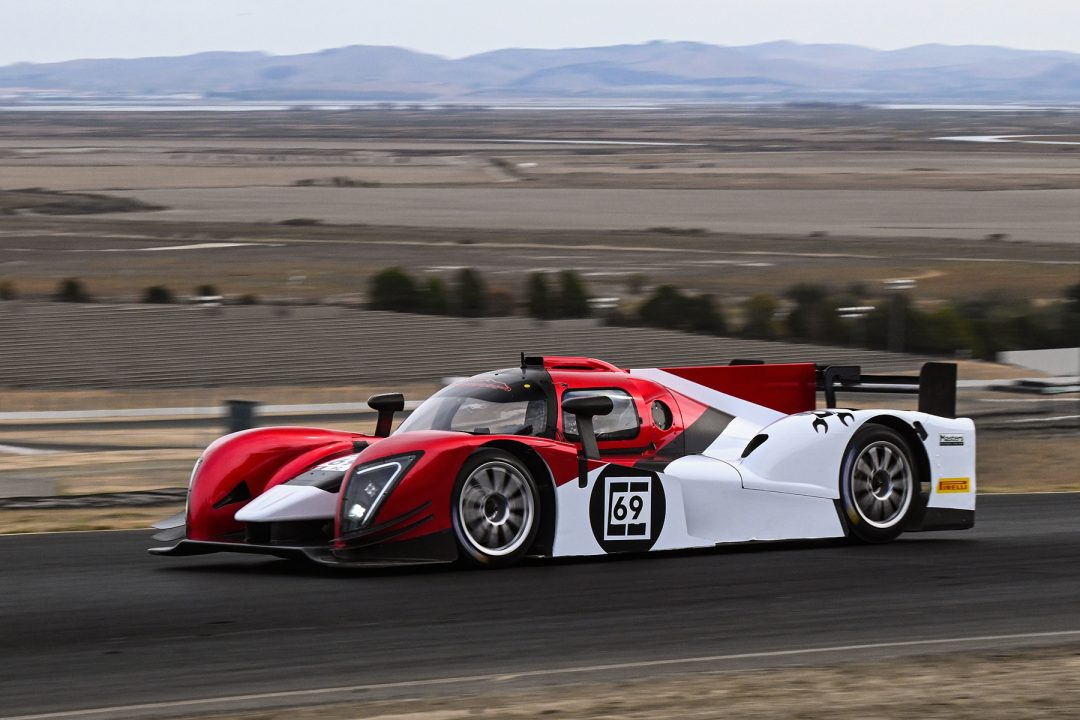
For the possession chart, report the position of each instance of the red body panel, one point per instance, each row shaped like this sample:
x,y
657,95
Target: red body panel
x,y
431,479
789,388
650,439
260,458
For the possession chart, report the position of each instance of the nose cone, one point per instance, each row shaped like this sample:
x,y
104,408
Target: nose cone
x,y
290,502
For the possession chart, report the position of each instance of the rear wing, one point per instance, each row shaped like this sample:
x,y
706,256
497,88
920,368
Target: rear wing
x,y
935,385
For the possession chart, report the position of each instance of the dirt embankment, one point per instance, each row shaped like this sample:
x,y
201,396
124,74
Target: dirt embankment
x,y
985,686
40,201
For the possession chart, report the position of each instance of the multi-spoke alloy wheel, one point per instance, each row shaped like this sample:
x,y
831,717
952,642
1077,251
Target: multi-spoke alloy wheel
x,y
882,483
495,508
879,483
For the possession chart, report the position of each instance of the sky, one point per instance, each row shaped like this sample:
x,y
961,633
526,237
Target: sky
x,y
53,30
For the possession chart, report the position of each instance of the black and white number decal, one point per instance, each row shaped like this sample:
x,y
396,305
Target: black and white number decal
x,y
626,509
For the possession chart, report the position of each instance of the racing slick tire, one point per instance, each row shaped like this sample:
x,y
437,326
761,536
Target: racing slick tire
x,y
495,509
879,484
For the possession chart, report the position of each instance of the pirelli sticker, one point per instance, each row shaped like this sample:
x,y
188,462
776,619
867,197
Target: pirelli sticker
x,y
953,485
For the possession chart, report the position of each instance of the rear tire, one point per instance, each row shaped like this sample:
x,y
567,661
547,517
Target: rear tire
x,y
495,509
879,484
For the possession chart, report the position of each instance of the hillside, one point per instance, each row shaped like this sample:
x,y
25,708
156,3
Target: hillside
x,y
657,71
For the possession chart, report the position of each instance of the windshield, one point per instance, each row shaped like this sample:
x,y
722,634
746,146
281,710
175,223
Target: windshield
x,y
501,403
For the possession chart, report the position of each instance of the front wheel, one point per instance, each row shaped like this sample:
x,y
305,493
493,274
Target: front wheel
x,y
495,509
879,483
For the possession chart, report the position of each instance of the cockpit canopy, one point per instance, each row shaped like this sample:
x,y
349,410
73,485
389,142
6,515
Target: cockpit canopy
x,y
505,402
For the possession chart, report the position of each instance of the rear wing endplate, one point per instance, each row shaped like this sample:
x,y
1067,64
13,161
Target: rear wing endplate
x,y
935,385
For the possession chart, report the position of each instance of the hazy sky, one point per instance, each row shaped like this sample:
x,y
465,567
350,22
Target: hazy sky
x,y
49,30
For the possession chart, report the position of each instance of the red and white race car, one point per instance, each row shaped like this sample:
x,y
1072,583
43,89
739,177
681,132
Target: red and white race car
x,y
571,456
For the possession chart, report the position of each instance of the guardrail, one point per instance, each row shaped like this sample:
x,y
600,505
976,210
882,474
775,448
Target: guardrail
x,y
238,414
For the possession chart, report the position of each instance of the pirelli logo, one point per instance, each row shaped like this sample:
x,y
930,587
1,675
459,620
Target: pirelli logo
x,y
954,485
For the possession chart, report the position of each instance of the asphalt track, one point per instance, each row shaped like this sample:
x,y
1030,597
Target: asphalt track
x,y
94,627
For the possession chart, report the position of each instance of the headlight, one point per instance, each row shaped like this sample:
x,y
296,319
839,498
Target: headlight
x,y
368,486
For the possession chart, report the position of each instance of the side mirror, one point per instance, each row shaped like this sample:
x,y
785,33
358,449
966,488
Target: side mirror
x,y
585,408
386,405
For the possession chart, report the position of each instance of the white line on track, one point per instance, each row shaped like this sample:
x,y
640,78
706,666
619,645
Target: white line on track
x,y
551,672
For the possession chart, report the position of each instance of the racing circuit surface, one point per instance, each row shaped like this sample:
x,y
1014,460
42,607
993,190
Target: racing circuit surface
x,y
90,621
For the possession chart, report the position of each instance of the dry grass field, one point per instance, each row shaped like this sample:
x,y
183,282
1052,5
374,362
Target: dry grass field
x,y
725,200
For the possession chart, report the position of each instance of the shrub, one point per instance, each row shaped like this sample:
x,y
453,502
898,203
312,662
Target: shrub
x,y
807,319
249,299
702,316
472,294
7,290
1071,320
393,289
573,298
436,297
158,295
538,297
759,313
943,331
206,291
665,308
71,290
668,308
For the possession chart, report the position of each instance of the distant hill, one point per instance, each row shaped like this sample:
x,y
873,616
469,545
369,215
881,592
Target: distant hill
x,y
665,71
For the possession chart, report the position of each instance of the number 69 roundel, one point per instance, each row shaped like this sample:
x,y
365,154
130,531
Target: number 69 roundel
x,y
626,509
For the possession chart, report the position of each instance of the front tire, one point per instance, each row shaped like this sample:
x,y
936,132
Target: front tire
x,y
495,509
879,484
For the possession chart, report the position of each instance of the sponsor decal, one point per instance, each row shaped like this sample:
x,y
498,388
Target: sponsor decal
x,y
340,464
626,509
954,485
950,440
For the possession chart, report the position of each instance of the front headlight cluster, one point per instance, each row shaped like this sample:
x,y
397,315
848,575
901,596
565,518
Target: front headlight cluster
x,y
368,486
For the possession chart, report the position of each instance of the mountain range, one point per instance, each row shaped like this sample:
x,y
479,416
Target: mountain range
x,y
657,71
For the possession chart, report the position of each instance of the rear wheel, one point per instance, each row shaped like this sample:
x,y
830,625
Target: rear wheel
x,y
495,509
879,483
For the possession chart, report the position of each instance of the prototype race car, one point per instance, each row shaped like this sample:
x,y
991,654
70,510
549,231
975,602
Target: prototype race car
x,y
572,456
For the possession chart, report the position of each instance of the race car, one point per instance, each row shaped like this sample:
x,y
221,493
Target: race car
x,y
573,456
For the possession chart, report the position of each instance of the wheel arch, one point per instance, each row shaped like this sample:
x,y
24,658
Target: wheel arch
x,y
545,483
922,460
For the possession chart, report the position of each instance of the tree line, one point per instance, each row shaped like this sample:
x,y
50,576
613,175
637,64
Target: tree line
x,y
468,295
979,327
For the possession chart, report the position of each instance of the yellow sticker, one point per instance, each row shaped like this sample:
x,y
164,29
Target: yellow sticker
x,y
954,485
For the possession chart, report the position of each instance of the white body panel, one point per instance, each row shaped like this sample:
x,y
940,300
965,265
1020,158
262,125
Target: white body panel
x,y
706,504
951,461
573,531
717,506
786,489
290,502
